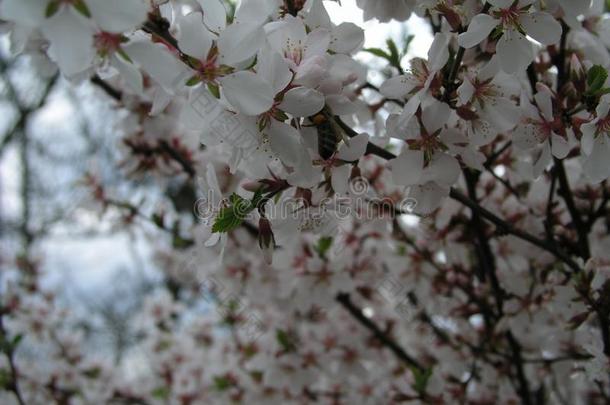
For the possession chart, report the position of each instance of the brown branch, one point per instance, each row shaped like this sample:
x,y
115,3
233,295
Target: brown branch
x,y
566,193
356,312
24,112
450,84
108,89
505,226
510,229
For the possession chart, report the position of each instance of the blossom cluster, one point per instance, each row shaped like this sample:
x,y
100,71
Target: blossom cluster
x,y
501,137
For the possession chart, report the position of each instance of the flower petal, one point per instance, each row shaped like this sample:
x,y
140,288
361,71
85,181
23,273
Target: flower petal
x,y
159,64
317,43
214,14
502,113
340,178
398,86
355,149
302,102
543,27
560,146
247,92
284,142
346,38
130,74
407,168
588,138
575,8
273,68
480,27
343,105
545,103
71,39
443,169
438,55
596,167
515,52
525,136
240,42
435,116
194,39
27,12
118,15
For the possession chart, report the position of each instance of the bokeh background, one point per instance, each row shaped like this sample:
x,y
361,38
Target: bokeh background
x,y
54,137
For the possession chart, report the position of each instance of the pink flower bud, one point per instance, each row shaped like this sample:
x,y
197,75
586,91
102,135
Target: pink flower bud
x,y
266,240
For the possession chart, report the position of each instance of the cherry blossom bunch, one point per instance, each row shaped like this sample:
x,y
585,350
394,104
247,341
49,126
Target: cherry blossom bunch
x,y
439,236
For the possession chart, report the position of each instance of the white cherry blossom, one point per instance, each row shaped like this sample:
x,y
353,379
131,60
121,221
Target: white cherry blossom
x,y
513,20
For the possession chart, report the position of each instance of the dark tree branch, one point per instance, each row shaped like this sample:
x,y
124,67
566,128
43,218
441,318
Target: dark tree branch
x,y
566,192
510,229
346,302
108,89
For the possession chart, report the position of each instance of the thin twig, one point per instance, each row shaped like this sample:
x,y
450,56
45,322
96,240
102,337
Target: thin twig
x,y
346,302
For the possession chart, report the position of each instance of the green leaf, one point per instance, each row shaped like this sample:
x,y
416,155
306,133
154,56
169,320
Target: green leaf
x,y
5,378
214,90
394,54
82,8
16,340
258,197
596,78
323,245
124,55
605,90
226,221
52,8
421,379
93,373
407,45
179,242
280,115
231,217
401,250
160,393
158,220
285,340
378,52
193,81
222,383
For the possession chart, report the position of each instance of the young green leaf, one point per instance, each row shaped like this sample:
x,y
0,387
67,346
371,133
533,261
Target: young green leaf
x,y
596,78
222,383
323,245
124,55
82,8
51,9
160,393
378,52
214,90
193,81
394,54
407,43
231,217
421,379
285,340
